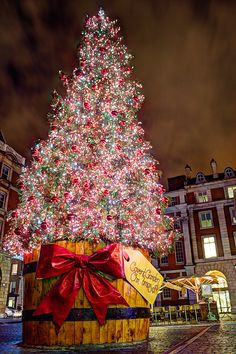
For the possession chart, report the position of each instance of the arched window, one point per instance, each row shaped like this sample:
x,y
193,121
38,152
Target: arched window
x,y
200,178
229,172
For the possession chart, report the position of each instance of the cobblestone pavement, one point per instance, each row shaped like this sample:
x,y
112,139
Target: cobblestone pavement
x,y
218,339
163,339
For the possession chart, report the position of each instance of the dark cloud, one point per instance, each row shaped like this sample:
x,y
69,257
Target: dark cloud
x,y
185,54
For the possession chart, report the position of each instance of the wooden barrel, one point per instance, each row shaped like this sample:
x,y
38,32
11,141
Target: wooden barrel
x,y
123,324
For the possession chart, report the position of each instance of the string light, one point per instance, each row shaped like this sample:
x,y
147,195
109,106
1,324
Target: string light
x,y
94,178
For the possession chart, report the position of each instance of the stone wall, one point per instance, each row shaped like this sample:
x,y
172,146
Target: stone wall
x,y
229,271
5,265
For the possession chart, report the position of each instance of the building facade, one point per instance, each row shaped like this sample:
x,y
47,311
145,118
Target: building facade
x,y
11,164
204,207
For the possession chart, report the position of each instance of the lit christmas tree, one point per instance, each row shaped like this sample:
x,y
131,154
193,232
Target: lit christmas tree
x,y
94,178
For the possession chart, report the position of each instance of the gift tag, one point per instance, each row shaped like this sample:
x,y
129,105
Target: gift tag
x,y
141,274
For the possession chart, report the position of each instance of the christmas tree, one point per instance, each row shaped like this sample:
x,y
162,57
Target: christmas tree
x,y
94,178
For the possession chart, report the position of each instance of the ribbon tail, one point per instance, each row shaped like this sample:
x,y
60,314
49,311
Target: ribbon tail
x,y
101,294
60,299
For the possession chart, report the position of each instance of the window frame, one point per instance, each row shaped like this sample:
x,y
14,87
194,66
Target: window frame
x,y
182,250
200,219
4,200
13,266
166,263
202,196
200,178
163,294
204,252
8,177
11,286
229,172
232,215
227,191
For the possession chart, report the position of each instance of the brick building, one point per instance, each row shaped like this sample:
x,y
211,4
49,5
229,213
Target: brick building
x,y
203,207
11,164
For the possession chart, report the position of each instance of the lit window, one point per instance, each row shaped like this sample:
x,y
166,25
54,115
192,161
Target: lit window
x,y
183,294
200,178
229,172
14,269
233,215
166,293
179,252
202,197
205,219
12,287
6,172
2,199
230,191
209,246
164,260
11,302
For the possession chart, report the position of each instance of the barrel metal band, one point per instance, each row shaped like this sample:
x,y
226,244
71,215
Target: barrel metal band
x,y
83,314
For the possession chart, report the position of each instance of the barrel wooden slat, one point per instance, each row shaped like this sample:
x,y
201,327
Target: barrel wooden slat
x,y
81,332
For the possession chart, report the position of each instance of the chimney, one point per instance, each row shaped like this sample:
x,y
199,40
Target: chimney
x,y
213,168
188,171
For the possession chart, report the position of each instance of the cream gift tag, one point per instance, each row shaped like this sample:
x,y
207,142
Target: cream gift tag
x,y
141,274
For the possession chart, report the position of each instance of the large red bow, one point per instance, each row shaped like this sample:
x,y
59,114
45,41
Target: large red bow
x,y
79,270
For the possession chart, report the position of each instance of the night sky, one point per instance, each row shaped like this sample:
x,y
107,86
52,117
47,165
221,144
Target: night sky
x,y
185,56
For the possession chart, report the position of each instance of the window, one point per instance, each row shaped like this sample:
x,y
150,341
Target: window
x,y
229,172
183,294
233,215
202,197
205,219
174,201
177,224
12,287
230,191
11,302
6,171
234,235
200,178
164,260
179,252
166,293
2,199
209,246
14,269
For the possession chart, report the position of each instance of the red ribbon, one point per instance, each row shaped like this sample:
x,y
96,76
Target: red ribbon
x,y
79,270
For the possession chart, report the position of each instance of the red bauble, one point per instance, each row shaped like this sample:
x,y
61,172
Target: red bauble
x,y
74,148
18,231
54,199
66,195
76,181
44,225
78,73
158,211
82,63
56,161
102,49
104,71
82,198
86,186
103,141
21,185
14,214
147,171
114,113
109,217
125,201
90,165
140,140
106,192
135,98
70,216
86,105
31,198
122,123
